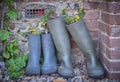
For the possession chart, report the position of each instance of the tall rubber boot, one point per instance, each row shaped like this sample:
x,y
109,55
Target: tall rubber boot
x,y
82,38
33,66
62,43
50,62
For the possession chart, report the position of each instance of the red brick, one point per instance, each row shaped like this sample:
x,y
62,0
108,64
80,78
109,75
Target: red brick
x,y
103,6
94,34
113,54
92,24
113,75
112,66
114,7
103,27
113,43
91,14
105,17
102,38
113,31
114,19
110,19
102,48
91,5
111,7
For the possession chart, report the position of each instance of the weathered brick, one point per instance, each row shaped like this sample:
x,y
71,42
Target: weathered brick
x,y
114,7
102,38
113,31
113,43
113,54
91,14
92,24
103,27
91,5
110,19
113,75
111,65
102,48
111,7
105,17
103,6
94,34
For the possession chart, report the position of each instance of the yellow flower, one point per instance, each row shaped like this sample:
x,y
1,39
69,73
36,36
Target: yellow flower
x,y
63,9
77,17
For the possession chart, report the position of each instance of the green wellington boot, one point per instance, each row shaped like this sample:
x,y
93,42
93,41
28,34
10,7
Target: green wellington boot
x,y
81,36
62,43
33,66
50,62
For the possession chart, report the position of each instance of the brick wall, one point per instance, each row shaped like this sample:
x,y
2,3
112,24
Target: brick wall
x,y
92,19
109,26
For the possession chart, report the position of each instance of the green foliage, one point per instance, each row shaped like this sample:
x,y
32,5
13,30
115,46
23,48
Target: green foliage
x,y
4,35
11,49
15,66
71,19
15,62
32,30
12,14
8,2
44,17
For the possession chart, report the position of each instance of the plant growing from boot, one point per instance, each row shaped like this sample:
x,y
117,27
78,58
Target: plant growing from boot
x,y
32,30
73,16
45,16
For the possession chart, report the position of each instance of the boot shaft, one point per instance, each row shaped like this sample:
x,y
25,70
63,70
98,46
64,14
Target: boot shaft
x,y
59,34
81,36
48,48
34,47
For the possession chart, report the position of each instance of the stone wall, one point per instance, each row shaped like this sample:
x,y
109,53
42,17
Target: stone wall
x,y
109,26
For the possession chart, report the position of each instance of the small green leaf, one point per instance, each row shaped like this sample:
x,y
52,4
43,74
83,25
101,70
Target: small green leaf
x,y
4,35
12,14
9,2
6,55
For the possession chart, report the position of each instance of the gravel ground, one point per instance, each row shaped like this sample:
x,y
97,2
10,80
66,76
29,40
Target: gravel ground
x,y
80,73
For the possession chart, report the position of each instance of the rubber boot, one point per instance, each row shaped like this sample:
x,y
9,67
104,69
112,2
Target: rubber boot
x,y
33,66
62,43
50,62
82,38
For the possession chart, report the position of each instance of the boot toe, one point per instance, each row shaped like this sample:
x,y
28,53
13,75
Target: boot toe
x,y
96,72
65,72
33,70
48,69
